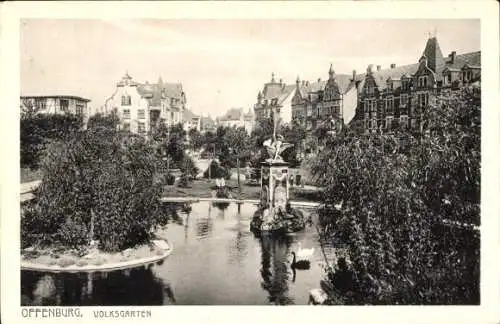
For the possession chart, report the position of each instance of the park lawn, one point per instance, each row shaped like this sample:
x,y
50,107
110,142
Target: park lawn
x,y
203,189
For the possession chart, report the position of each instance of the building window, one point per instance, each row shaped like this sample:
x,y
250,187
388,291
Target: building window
x,y
40,104
467,76
423,99
141,114
405,85
79,109
388,123
403,121
64,104
370,89
126,101
448,78
422,82
126,113
403,102
126,127
389,105
141,127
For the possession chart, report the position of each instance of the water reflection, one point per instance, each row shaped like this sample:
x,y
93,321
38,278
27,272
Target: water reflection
x,y
136,286
275,269
216,261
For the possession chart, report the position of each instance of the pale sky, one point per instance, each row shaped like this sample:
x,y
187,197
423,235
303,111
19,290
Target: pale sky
x,y
221,63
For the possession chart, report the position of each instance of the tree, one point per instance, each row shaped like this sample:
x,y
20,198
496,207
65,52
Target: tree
x,y
238,141
37,131
398,193
98,185
196,139
110,121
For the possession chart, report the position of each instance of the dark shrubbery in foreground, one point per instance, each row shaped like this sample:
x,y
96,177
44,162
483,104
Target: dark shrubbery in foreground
x,y
37,131
397,193
101,185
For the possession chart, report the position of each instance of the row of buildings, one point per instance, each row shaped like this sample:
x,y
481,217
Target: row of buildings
x,y
375,101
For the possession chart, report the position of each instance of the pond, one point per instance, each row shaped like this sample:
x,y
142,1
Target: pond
x,y
216,261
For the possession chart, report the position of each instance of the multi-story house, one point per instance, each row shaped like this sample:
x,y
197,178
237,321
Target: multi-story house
x,y
207,124
191,121
276,97
396,97
141,107
332,101
55,104
236,117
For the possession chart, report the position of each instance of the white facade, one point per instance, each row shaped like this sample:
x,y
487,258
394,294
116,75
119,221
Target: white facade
x,y
131,107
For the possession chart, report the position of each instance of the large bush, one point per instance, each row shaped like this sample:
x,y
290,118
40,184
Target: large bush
x,y
98,185
398,194
37,131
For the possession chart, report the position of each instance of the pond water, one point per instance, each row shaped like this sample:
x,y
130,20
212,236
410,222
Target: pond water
x,y
216,261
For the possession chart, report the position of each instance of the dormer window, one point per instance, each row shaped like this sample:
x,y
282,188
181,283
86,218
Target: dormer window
x,y
370,89
405,84
422,82
467,75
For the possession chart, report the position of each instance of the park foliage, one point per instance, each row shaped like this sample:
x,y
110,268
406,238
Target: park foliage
x,y
405,205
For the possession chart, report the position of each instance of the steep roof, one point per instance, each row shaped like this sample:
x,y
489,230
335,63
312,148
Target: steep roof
x,y
472,58
432,52
232,114
155,91
189,115
381,76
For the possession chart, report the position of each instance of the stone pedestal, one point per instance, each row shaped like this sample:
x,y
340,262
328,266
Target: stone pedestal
x,y
274,186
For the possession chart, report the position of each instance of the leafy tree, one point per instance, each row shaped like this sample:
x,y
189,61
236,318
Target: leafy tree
x,y
238,141
196,139
398,193
39,130
110,121
99,185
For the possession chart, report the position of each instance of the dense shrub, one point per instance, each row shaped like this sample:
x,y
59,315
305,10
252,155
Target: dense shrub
x,y
37,131
396,194
217,171
100,182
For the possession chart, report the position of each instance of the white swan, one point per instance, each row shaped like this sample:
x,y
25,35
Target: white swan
x,y
304,253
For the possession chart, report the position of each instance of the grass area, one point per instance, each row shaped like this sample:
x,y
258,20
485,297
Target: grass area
x,y
203,189
28,175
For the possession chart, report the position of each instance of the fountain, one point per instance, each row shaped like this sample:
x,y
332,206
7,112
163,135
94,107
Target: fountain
x,y
275,215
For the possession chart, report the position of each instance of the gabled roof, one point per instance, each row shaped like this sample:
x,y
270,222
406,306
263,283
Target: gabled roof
x,y
189,115
156,90
381,76
232,114
207,121
472,58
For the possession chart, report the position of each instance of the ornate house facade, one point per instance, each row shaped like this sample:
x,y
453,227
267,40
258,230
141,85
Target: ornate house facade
x,y
275,96
332,101
141,107
396,97
236,117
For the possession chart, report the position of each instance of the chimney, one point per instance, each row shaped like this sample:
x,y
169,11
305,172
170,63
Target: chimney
x,y
281,81
319,79
369,69
354,74
452,56
393,66
378,67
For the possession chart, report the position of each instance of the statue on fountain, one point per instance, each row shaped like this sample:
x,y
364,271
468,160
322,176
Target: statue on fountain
x,y
275,214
